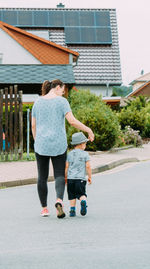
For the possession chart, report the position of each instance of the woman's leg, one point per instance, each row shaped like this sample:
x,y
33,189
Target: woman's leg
x,y
59,174
43,171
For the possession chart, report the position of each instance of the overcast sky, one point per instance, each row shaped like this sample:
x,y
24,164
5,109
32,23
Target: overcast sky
x,y
133,17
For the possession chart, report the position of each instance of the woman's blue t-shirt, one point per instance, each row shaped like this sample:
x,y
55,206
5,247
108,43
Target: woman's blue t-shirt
x,y
50,114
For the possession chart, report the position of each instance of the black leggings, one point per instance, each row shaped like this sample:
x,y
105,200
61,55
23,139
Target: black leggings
x,y
58,163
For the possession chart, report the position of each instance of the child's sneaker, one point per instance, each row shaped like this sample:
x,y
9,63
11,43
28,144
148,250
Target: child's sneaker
x,y
45,212
83,210
72,213
59,210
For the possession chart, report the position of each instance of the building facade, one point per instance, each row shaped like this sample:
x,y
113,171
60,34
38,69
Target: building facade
x,y
92,33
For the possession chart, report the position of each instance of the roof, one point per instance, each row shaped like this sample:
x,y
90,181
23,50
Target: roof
x,y
144,78
97,64
139,89
45,51
112,100
35,74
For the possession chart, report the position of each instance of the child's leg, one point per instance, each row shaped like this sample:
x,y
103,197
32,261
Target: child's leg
x,y
73,208
83,204
83,197
73,203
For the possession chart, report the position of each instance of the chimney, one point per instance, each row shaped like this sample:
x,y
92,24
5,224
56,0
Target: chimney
x,y
60,5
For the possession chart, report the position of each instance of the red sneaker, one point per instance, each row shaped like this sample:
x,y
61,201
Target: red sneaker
x,y
45,212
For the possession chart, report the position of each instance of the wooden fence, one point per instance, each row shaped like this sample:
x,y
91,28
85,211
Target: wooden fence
x,y
11,124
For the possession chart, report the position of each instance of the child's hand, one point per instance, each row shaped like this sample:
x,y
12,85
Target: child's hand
x,y
90,180
65,180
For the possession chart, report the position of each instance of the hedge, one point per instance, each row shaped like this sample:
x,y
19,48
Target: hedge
x,y
93,112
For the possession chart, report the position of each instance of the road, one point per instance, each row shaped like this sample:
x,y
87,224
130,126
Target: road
x,y
114,235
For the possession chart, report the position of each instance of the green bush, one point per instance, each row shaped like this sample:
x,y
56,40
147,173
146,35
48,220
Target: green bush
x,y
132,117
91,110
137,103
146,131
136,115
132,137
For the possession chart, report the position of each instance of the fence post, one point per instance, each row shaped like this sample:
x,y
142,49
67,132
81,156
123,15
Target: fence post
x,y
20,126
16,124
6,124
11,123
28,132
1,124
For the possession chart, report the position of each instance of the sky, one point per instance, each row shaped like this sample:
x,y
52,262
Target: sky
x,y
133,21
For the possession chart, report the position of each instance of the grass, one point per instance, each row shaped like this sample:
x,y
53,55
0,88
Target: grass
x,y
25,158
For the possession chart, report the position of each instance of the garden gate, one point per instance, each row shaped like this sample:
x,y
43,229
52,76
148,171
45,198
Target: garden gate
x,y
11,124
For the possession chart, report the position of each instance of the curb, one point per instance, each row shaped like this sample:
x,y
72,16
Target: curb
x,y
22,182
113,165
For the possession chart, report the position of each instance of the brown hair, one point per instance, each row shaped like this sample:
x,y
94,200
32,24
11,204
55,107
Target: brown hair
x,y
48,85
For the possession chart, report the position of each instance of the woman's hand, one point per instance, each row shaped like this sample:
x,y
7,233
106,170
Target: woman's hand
x,y
90,135
79,125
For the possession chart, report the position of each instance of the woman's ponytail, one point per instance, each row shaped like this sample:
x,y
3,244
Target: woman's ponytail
x,y
48,85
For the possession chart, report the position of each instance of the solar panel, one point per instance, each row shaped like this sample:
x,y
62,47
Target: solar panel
x,y
88,35
40,18
102,18
56,18
103,35
86,18
80,26
71,18
25,18
10,17
72,35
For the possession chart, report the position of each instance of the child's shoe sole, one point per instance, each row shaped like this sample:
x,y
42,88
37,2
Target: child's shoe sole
x,y
83,210
60,213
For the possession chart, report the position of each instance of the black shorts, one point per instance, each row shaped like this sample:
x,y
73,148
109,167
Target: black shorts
x,y
76,188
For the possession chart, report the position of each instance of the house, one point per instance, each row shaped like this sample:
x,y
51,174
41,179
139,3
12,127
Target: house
x,y
27,60
141,86
92,33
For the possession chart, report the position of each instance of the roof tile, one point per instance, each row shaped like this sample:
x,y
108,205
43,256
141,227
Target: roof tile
x,y
11,74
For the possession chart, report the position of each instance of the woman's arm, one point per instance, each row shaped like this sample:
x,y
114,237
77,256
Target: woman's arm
x,y
34,127
77,124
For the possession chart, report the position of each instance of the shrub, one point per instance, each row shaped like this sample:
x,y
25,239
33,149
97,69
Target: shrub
x,y
132,137
137,103
132,117
146,131
91,110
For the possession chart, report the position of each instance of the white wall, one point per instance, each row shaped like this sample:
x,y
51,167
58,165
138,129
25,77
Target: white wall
x,y
98,90
41,33
13,53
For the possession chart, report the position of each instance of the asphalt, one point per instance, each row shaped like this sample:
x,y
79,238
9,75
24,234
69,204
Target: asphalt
x,y
114,234
25,172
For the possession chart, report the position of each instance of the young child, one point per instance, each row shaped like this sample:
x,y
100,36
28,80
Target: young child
x,y
77,164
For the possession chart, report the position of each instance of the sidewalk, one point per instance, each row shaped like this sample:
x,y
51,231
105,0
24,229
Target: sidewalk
x,y
22,173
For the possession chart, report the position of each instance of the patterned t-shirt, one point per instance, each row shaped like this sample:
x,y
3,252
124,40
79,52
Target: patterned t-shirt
x,y
50,114
77,159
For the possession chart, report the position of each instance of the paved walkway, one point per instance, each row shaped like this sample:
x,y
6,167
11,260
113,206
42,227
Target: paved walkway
x,y
20,173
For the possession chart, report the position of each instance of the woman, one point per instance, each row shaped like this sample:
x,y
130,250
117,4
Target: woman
x,y
48,129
